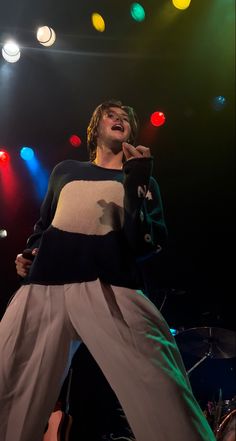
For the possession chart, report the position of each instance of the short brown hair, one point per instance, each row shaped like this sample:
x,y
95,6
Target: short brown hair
x,y
94,121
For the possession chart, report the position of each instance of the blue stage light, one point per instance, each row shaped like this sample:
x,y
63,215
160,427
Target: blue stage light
x,y
173,331
218,102
38,173
27,153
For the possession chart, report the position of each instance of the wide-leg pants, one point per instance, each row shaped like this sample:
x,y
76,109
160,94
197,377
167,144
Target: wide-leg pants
x,y
128,338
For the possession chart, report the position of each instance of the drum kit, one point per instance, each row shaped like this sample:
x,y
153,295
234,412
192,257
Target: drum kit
x,y
214,343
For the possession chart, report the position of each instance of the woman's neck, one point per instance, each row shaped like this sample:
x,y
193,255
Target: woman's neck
x,y
108,159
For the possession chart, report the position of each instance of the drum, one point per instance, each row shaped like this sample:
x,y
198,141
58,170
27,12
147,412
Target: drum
x,y
227,428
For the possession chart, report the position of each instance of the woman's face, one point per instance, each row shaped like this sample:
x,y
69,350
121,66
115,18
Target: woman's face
x,y
114,125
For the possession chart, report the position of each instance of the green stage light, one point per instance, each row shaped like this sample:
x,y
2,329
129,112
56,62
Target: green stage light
x,y
137,11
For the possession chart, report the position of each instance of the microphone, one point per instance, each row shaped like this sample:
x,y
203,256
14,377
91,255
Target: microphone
x,y
27,254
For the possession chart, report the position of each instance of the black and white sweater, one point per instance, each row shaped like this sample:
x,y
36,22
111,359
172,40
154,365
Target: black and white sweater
x,y
96,223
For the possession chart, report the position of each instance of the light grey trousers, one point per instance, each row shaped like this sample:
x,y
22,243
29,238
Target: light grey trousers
x,y
128,338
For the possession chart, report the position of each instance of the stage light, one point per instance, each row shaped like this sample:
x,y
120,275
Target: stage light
x,y
11,52
75,140
157,119
98,22
39,176
218,102
46,36
3,234
4,157
137,12
181,4
11,190
27,153
173,331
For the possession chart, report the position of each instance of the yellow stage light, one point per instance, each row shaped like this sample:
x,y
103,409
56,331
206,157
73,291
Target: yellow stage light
x,y
98,22
181,4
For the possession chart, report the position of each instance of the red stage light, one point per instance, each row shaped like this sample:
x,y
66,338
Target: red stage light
x,y
75,140
4,157
158,119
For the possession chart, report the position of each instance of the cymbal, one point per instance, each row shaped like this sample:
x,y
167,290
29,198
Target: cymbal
x,y
210,341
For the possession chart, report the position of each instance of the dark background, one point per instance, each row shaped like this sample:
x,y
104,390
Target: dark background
x,y
176,62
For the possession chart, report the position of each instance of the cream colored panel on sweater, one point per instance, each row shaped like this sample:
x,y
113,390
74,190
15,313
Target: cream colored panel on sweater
x,y
90,207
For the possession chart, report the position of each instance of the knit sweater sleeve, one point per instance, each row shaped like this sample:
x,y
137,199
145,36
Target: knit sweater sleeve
x,y
144,224
47,211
